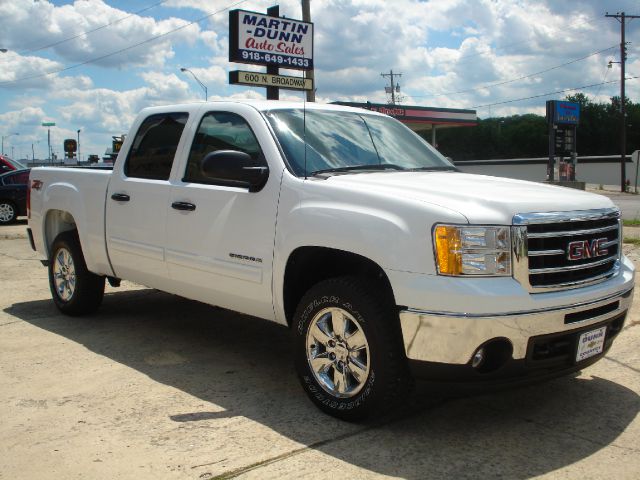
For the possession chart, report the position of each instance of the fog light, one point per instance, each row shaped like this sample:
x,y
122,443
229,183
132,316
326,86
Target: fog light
x,y
478,358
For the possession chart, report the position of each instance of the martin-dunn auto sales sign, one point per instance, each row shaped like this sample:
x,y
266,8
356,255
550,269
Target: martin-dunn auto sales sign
x,y
263,40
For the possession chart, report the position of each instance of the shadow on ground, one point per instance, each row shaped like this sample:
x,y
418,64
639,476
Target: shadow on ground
x,y
243,365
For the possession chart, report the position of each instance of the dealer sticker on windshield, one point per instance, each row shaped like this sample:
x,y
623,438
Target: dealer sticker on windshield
x,y
591,343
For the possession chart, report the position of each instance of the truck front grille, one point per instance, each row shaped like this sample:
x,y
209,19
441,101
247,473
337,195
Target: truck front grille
x,y
570,249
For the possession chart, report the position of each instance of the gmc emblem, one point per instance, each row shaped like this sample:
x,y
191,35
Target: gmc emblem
x,y
583,249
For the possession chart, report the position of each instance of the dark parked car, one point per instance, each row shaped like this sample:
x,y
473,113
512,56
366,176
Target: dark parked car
x,y
13,195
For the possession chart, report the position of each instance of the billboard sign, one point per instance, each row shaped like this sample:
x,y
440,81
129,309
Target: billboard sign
x,y
70,145
259,39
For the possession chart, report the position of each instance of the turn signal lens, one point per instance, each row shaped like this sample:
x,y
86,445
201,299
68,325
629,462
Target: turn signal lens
x,y
448,250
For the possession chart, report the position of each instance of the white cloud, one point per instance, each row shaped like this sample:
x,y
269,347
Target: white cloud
x,y
441,47
55,24
15,119
28,71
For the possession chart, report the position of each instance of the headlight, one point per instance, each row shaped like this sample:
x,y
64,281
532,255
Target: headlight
x,y
463,250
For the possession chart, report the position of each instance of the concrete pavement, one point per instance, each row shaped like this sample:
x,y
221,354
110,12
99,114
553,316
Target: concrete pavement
x,y
155,386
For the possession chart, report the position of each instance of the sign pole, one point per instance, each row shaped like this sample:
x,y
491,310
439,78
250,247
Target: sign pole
x,y
306,16
273,93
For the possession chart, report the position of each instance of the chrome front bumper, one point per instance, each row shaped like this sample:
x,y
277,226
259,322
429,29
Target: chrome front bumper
x,y
453,338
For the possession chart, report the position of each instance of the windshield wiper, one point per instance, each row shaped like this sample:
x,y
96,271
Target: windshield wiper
x,y
381,166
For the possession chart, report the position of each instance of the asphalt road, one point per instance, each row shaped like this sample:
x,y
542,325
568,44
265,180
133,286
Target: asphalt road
x,y
628,203
153,386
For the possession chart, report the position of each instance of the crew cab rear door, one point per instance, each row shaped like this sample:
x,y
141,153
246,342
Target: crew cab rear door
x,y
220,237
138,200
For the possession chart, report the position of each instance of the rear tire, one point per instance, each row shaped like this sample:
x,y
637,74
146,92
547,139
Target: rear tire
x,y
75,290
8,212
348,349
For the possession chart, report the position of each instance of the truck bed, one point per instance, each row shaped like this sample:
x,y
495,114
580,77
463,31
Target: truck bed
x,y
81,192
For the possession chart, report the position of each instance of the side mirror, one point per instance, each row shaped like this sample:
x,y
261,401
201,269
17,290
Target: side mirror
x,y
235,169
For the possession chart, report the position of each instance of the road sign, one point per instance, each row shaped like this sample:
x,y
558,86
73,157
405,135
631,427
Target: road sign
x,y
259,79
48,124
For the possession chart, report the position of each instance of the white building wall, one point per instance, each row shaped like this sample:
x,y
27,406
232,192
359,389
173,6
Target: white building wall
x,y
596,170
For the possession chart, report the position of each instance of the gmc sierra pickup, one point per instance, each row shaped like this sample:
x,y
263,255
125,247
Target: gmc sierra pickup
x,y
384,261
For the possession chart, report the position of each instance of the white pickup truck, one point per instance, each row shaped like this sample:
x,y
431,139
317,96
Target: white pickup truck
x,y
384,260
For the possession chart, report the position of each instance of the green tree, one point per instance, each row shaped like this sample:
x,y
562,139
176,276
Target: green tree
x,y
526,136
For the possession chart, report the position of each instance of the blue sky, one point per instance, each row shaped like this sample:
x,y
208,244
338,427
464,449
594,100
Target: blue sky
x,y
452,53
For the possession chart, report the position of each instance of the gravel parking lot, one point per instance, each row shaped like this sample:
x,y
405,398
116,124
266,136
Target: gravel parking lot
x,y
155,386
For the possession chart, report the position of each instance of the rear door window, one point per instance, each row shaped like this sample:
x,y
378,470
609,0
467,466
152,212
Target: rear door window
x,y
21,178
154,146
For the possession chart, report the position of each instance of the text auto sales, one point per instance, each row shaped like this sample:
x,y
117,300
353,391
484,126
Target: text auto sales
x,y
275,40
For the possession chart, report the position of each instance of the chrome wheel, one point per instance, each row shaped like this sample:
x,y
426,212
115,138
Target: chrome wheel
x,y
7,212
338,352
64,274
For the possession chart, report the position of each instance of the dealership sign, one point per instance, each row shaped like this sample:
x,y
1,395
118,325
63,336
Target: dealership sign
x,y
259,79
563,113
264,40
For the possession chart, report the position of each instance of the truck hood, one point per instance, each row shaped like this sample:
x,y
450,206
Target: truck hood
x,y
480,198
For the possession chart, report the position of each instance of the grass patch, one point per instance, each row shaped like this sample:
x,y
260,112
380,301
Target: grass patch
x,y
632,241
631,223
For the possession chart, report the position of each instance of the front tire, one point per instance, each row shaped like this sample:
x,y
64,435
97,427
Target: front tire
x,y
75,290
348,349
8,212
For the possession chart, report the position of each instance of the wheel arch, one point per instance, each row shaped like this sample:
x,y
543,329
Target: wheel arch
x,y
56,222
308,265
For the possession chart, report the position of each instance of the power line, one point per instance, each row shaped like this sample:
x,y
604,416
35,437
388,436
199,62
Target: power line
x,y
504,82
44,47
584,87
130,47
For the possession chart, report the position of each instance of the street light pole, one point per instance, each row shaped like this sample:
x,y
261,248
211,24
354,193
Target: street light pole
x,y
204,87
78,159
7,136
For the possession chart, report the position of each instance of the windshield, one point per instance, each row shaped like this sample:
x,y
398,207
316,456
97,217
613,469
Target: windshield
x,y
16,164
345,141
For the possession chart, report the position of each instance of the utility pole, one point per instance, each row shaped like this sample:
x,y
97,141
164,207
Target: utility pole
x,y
394,88
622,18
306,17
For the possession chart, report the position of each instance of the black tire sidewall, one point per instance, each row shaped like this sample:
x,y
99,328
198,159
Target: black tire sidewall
x,y
365,306
89,288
